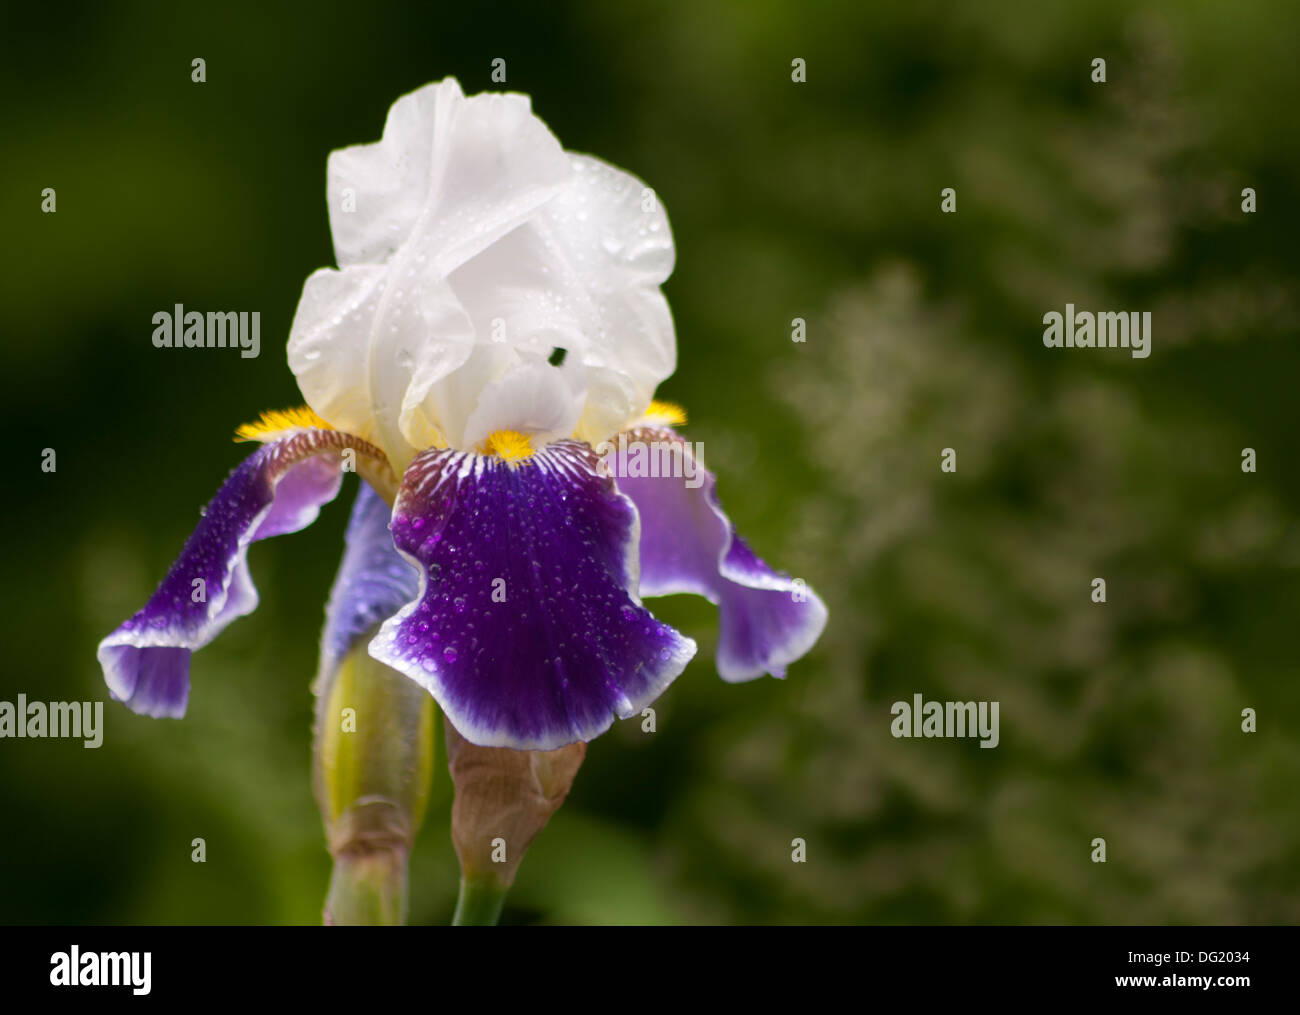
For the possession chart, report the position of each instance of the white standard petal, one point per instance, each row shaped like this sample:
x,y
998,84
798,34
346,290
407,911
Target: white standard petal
x,y
329,345
611,225
612,231
634,351
471,246
368,340
377,192
460,172
537,399
420,335
522,292
452,398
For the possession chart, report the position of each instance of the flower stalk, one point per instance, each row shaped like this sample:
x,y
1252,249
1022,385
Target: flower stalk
x,y
480,902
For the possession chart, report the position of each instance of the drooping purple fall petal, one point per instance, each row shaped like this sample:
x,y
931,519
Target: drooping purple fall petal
x,y
528,629
766,618
278,489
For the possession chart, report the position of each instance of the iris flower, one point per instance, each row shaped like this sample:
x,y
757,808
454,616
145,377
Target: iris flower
x,y
494,326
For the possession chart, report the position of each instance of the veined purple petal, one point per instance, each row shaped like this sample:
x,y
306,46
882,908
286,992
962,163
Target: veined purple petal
x,y
766,619
528,629
374,581
279,488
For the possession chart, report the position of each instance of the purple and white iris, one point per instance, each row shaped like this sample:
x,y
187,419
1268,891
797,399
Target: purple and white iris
x,y
495,320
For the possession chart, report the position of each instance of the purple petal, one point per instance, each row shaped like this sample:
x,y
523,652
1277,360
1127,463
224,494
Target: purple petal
x,y
766,619
374,581
528,629
277,489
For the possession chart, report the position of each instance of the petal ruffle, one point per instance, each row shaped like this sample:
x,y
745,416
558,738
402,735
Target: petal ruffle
x,y
278,489
461,171
766,619
360,338
528,629
614,235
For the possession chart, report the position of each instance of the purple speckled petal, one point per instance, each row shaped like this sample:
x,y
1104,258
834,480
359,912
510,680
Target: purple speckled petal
x,y
766,619
279,488
374,581
528,629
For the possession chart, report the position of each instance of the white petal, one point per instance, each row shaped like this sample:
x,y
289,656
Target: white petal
x,y
634,353
613,232
535,398
475,247
377,191
522,292
613,398
611,225
329,344
460,172
420,335
366,338
452,398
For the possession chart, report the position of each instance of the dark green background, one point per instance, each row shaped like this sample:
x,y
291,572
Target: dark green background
x,y
817,200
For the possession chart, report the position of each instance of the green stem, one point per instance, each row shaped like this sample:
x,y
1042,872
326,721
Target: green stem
x,y
368,890
479,904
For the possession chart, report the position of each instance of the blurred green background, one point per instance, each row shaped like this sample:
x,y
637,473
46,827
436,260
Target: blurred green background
x,y
816,200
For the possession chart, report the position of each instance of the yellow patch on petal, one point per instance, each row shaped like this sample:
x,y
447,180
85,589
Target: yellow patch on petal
x,y
510,445
275,423
656,414
664,414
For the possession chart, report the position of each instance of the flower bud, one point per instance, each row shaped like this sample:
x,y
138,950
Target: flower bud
x,y
503,800
373,769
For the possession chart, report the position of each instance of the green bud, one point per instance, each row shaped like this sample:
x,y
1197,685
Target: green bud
x,y
373,768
